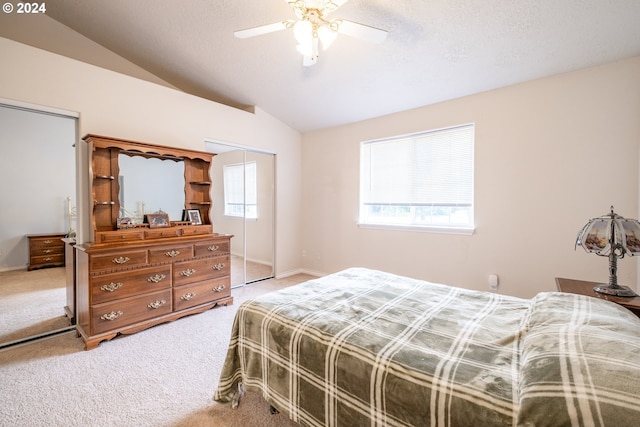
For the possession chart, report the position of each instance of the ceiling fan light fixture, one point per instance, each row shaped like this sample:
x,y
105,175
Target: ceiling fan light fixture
x,y
313,28
327,36
303,32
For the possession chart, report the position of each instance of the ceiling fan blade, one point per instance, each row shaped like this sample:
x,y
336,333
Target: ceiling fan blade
x,y
258,31
361,31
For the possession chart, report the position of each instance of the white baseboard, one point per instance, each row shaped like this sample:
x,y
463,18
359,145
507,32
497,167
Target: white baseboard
x,y
299,271
2,270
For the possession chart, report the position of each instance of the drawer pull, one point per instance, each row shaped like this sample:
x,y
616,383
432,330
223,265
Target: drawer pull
x,y
111,316
120,260
219,266
172,253
157,278
219,288
48,242
47,259
213,248
187,297
47,251
188,272
111,287
156,304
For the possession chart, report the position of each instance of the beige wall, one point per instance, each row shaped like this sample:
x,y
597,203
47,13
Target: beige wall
x,y
549,155
116,105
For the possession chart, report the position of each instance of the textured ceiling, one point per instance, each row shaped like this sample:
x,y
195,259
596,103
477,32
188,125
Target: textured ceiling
x,y
435,50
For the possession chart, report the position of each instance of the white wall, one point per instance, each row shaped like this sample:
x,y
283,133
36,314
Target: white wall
x,y
549,155
116,105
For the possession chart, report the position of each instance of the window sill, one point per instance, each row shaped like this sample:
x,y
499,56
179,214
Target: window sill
x,y
466,231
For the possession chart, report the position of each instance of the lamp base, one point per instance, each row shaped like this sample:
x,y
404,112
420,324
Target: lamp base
x,y
618,291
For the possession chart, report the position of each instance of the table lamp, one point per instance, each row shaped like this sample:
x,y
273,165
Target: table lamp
x,y
612,236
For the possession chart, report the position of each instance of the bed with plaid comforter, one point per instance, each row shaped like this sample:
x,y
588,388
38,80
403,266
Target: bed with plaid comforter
x,y
368,348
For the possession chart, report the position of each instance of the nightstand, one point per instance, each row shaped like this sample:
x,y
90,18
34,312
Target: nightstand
x,y
586,288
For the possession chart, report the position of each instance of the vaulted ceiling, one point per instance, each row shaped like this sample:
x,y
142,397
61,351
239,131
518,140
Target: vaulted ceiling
x,y
435,49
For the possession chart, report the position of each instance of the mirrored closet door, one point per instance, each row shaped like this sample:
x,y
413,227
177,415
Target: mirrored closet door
x,y
38,172
243,205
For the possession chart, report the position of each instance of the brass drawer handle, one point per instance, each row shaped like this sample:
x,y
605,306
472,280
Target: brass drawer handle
x,y
219,266
187,297
111,316
48,258
172,253
213,248
111,287
47,251
157,278
48,242
188,272
120,260
219,288
156,304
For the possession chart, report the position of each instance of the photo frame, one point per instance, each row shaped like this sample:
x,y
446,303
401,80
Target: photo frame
x,y
157,220
193,215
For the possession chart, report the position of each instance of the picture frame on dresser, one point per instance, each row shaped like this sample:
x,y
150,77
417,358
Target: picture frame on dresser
x,y
193,215
158,220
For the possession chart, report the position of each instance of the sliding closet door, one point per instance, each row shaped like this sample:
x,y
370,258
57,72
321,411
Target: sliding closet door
x,y
227,211
243,205
259,216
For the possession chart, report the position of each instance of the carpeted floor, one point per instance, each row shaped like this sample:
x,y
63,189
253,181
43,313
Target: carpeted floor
x,y
31,303
163,376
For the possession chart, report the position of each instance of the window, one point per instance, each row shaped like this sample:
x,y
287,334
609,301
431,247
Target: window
x,y
240,194
421,181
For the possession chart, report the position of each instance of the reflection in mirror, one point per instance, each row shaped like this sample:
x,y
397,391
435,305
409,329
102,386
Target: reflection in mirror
x,y
150,185
245,178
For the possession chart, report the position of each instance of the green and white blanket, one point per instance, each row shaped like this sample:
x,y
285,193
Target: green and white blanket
x,y
368,348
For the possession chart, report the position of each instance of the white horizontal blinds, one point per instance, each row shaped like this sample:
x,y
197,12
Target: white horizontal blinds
x,y
251,190
240,189
233,189
431,169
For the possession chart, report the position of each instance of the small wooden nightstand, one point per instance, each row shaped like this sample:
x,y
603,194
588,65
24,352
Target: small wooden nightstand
x,y
586,288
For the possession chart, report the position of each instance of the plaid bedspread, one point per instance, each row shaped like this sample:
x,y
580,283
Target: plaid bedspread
x,y
368,348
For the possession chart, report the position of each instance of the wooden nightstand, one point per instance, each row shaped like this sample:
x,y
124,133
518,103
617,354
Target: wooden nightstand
x,y
586,288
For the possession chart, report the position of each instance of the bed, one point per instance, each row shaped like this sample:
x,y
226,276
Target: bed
x,y
368,348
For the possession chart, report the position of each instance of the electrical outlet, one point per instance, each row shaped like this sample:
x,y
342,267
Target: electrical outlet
x,y
493,282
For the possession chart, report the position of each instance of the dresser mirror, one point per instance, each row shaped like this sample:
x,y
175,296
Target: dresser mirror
x,y
150,185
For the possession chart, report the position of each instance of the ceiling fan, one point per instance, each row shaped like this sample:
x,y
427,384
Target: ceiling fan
x,y
314,27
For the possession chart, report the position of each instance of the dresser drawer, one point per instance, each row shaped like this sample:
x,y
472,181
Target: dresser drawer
x,y
45,250
195,230
40,243
116,314
212,247
163,232
46,260
120,236
109,287
202,269
171,253
123,258
200,293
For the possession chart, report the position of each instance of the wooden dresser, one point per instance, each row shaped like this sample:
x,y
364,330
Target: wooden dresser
x,y
123,289
46,250
134,276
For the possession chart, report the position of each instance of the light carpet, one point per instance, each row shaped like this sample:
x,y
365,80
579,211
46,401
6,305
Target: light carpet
x,y
32,303
163,376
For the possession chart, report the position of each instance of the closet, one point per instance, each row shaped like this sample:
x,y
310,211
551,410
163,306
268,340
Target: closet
x,y
244,206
